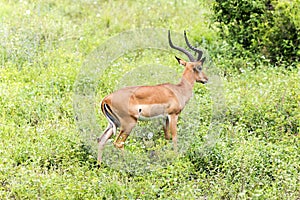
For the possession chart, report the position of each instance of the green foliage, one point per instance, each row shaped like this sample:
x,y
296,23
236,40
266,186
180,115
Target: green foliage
x,y
260,126
261,26
254,153
281,40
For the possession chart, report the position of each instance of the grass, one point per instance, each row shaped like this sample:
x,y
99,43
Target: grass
x,y
253,153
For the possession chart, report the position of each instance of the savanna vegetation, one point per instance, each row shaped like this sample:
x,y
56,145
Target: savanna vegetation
x,y
252,153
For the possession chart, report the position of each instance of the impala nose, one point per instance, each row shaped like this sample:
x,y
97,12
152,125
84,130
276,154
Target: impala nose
x,y
204,82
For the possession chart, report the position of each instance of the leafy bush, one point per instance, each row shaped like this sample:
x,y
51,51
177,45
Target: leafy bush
x,y
261,26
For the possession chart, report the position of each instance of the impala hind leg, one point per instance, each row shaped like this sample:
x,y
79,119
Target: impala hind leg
x,y
102,141
120,141
124,133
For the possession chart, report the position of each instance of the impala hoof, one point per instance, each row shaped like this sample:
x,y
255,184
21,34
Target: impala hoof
x,y
119,145
99,163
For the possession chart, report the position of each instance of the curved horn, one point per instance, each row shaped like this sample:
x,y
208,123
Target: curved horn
x,y
193,48
188,54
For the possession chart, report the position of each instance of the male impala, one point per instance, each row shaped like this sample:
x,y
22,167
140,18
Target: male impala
x,y
124,107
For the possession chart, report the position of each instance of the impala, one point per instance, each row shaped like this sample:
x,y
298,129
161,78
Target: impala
x,y
126,106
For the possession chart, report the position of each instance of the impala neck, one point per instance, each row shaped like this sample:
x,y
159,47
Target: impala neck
x,y
185,87
187,80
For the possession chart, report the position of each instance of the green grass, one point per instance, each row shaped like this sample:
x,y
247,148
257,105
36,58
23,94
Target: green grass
x,y
253,154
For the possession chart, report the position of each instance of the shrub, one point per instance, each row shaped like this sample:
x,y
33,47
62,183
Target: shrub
x,y
260,26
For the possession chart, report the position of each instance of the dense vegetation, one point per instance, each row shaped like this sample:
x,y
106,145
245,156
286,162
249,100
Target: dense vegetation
x,y
270,27
252,152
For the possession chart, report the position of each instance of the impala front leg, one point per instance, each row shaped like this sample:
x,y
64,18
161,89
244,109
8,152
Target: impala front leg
x,y
166,127
173,127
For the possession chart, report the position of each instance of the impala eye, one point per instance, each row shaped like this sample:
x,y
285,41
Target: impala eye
x,y
198,68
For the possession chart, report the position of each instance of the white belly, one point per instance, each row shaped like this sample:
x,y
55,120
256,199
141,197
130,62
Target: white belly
x,y
149,112
146,118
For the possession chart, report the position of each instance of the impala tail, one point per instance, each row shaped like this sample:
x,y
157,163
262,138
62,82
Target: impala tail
x,y
114,122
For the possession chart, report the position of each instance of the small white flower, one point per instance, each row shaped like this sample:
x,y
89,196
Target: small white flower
x,y
150,135
27,12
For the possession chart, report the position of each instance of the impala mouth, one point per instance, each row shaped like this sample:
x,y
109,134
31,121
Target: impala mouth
x,y
203,82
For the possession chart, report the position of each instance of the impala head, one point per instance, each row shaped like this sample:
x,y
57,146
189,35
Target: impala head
x,y
194,65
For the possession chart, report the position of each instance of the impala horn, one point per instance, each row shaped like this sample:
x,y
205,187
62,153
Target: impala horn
x,y
200,53
188,54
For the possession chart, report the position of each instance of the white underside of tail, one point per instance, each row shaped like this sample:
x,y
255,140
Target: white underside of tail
x,y
111,123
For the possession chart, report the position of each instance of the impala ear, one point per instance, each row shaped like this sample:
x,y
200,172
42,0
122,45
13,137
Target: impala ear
x,y
180,61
